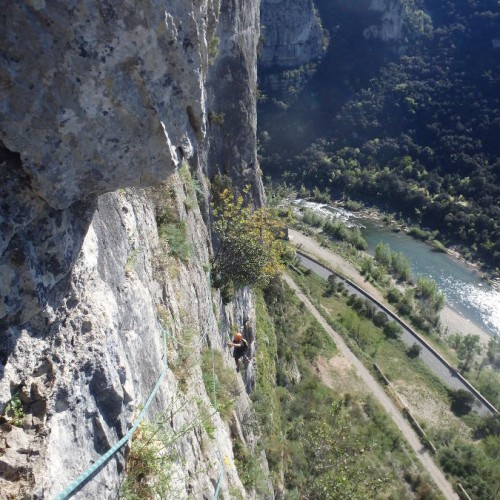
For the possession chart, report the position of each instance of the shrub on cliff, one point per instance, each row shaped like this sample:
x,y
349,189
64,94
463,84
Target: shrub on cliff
x,y
248,249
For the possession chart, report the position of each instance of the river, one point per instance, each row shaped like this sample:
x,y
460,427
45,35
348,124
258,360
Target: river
x,y
462,286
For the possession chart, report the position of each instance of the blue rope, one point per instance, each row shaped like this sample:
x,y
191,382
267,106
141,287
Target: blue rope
x,y
104,458
219,482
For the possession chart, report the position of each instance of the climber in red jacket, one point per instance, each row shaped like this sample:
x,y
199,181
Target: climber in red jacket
x,y
240,349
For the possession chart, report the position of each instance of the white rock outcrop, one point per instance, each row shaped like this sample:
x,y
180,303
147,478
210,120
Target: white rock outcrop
x,y
390,27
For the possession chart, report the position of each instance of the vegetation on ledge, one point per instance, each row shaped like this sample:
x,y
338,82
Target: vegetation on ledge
x,y
249,245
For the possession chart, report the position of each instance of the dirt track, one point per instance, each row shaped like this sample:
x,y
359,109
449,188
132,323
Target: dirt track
x,y
371,384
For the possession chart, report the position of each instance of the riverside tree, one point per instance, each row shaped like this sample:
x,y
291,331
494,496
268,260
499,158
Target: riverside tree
x,y
467,348
430,301
248,247
395,262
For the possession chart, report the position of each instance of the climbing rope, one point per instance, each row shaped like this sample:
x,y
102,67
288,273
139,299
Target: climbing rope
x,y
82,478
219,453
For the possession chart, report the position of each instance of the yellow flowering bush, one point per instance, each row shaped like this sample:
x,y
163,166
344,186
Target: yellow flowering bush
x,y
248,245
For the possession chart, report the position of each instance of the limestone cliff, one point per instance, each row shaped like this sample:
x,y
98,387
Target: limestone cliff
x,y
390,25
292,34
107,121
232,94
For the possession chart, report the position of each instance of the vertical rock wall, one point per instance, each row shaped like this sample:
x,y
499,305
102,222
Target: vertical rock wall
x,y
98,97
292,33
232,84
83,373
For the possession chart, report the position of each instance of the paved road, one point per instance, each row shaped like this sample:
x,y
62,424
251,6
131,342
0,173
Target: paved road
x,y
436,364
403,425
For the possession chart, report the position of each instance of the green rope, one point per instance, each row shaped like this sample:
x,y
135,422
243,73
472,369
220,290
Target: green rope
x,y
219,482
82,478
214,379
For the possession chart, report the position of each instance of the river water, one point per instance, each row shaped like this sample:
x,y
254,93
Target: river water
x,y
462,286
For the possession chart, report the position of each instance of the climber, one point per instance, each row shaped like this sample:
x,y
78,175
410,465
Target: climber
x,y
240,349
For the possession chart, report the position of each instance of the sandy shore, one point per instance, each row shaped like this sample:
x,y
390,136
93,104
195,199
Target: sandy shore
x,y
456,323
450,319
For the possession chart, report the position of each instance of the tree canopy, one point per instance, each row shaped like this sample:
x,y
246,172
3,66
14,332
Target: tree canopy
x,y
411,125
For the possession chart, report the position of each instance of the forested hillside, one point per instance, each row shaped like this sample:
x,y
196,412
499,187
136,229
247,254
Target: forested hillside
x,y
411,124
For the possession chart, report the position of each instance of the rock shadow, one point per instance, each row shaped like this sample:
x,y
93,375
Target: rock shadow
x,y
39,245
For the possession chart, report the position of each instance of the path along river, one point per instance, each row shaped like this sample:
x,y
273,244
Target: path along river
x,y
477,303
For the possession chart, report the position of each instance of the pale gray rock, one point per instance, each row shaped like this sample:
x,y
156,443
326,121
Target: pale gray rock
x,y
12,464
291,33
99,96
390,27
231,96
95,96
91,382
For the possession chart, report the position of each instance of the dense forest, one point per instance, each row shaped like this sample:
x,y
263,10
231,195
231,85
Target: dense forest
x,y
411,125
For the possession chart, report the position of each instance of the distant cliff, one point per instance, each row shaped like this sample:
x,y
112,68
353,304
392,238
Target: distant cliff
x,y
115,117
291,33
390,26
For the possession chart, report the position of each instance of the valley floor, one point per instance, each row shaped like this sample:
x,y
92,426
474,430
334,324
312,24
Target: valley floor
x,y
371,384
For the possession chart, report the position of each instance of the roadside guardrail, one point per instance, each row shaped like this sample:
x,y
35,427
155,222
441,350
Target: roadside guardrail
x,y
456,373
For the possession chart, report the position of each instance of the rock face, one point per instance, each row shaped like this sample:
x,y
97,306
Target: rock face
x,y
101,353
103,88
232,94
98,97
292,33
390,27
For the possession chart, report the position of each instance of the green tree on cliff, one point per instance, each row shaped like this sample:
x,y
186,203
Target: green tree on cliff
x,y
248,250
